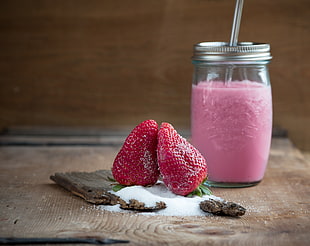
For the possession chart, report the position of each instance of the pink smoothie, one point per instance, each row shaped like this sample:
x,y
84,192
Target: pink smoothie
x,y
231,126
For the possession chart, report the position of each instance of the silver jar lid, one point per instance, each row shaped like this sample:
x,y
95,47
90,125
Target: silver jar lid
x,y
221,52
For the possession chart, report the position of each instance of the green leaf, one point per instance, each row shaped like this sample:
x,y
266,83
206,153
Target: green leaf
x,y
201,190
111,179
196,192
118,187
205,190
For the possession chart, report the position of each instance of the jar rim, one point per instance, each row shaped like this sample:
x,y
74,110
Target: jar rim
x,y
221,51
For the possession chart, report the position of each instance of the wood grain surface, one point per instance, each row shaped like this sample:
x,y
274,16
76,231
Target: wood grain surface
x,y
113,64
31,205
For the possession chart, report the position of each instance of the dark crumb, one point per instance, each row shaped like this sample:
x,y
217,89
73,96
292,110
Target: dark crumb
x,y
140,206
222,208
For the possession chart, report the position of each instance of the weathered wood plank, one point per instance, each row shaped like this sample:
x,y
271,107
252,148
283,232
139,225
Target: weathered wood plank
x,y
93,187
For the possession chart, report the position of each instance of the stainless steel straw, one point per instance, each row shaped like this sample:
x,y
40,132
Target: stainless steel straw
x,y
236,23
234,35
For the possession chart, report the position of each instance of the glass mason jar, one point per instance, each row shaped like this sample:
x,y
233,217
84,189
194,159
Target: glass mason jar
x,y
231,111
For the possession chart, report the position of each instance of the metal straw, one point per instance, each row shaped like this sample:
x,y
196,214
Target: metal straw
x,y
234,35
236,23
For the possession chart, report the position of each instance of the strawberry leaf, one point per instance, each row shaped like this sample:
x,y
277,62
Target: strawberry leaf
x,y
205,190
201,190
111,179
118,187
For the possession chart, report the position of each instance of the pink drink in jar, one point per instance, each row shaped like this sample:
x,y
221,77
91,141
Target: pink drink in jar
x,y
231,127
231,111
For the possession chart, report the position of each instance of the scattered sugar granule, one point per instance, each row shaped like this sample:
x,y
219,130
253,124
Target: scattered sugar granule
x,y
176,205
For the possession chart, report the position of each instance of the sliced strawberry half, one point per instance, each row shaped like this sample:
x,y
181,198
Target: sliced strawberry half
x,y
136,162
182,166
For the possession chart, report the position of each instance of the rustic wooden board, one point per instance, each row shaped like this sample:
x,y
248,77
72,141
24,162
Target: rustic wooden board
x,y
93,187
32,205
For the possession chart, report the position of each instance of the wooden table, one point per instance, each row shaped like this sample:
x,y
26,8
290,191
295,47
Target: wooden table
x,y
31,205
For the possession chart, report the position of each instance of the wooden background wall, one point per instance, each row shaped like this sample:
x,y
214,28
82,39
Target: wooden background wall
x,y
114,63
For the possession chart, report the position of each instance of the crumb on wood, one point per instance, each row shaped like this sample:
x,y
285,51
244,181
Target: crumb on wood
x,y
136,205
218,207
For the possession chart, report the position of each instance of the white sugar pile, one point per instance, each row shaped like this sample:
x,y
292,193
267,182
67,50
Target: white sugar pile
x,y
176,205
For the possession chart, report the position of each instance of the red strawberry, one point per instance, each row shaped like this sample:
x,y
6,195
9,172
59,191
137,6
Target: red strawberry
x,y
181,165
136,162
